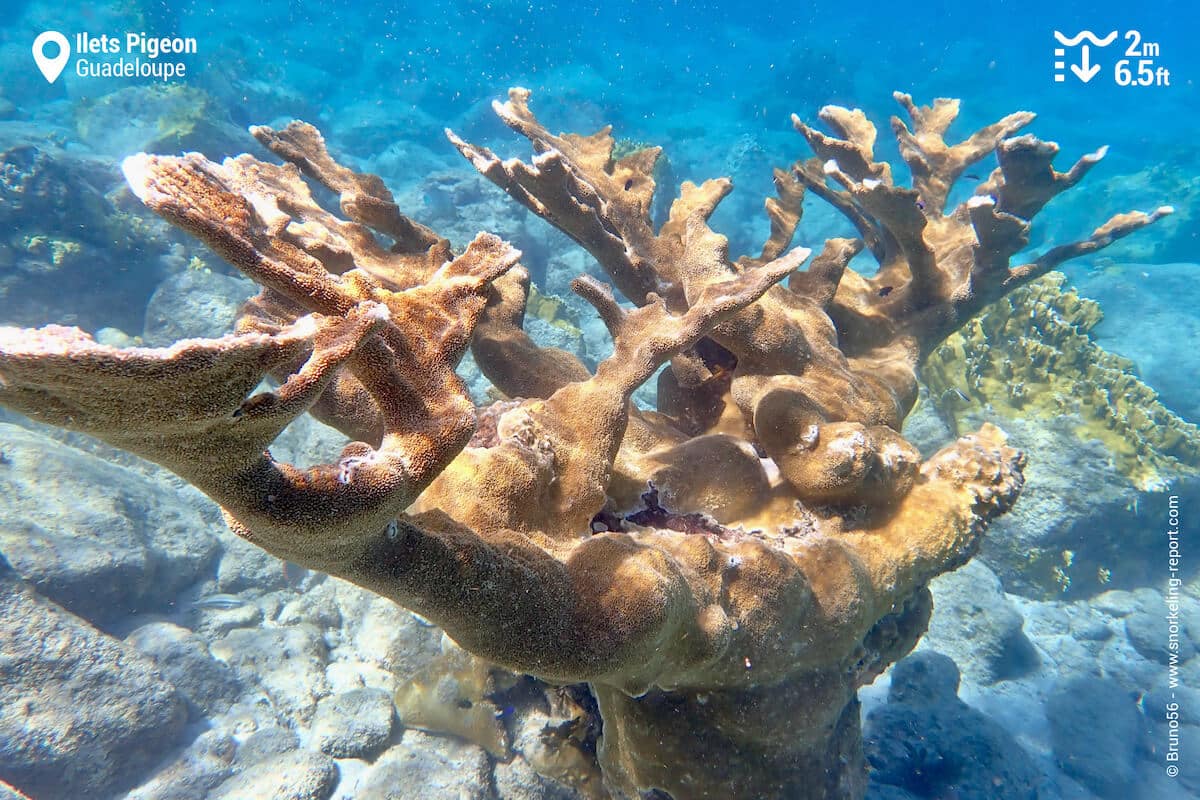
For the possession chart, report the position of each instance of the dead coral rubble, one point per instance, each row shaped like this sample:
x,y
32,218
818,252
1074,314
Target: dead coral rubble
x,y
725,649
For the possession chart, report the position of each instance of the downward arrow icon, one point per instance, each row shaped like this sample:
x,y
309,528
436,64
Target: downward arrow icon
x,y
1084,70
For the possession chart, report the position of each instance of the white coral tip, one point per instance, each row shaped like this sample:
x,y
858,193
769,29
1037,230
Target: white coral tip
x,y
379,312
136,169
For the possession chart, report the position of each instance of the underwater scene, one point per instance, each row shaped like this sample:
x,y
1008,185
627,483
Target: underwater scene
x,y
524,400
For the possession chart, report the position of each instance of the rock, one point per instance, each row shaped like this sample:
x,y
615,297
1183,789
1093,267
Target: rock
x,y
80,713
184,659
1095,729
344,676
317,607
299,775
97,538
204,764
1150,633
516,780
252,713
975,624
1186,741
924,678
1185,698
164,118
288,664
354,724
423,766
926,742
63,226
1090,628
382,632
244,566
1122,603
212,623
194,304
1077,518
546,756
547,334
264,744
115,337
924,428
309,441
477,383
883,791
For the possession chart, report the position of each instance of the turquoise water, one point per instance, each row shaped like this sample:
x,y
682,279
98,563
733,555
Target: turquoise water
x,y
175,660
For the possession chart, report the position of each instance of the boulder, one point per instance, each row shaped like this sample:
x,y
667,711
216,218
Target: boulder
x,y
926,742
98,538
1095,728
81,714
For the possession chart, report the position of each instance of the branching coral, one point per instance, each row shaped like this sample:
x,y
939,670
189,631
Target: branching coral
x,y
1031,354
724,571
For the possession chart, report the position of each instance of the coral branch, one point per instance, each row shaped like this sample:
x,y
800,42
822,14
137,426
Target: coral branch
x,y
1118,227
511,360
364,198
935,165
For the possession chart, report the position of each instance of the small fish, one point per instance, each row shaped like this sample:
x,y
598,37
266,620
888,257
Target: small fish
x,y
219,602
961,396
920,205
885,291
972,176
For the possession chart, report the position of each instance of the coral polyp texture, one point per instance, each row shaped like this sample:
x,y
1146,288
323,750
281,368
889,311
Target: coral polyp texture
x,y
724,571
1031,354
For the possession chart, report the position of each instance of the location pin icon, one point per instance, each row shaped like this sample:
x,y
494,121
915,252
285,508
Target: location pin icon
x,y
51,67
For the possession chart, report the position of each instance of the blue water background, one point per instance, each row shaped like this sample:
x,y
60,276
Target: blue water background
x,y
670,71
715,83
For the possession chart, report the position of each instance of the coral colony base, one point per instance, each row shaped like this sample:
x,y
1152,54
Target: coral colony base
x,y
724,571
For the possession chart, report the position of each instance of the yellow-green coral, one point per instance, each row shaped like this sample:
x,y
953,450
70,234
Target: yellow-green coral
x,y
182,115
553,310
1031,354
57,251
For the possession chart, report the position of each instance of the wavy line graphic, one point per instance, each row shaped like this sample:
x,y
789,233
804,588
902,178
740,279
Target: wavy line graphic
x,y
1079,37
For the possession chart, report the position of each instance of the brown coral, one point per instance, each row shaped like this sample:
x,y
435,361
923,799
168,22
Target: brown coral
x,y
782,559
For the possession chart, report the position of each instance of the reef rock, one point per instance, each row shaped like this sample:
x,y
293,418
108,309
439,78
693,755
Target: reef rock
x,y
288,664
423,766
204,764
209,686
66,222
1096,730
80,713
156,118
193,304
298,775
976,625
96,537
354,724
929,743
